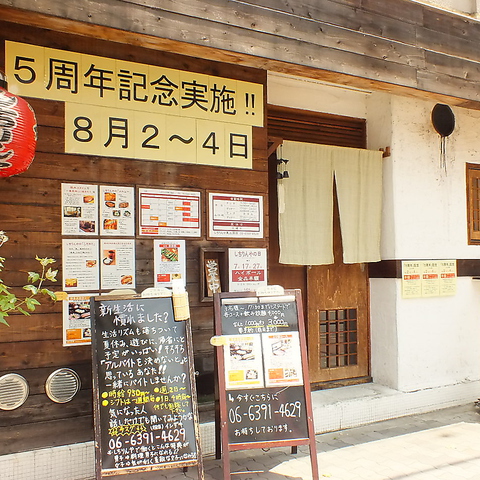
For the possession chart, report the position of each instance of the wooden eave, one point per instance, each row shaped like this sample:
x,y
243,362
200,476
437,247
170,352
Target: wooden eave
x,y
397,46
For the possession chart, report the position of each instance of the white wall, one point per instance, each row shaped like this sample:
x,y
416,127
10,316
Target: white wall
x,y
379,135
461,6
427,342
288,91
439,338
383,332
435,341
429,202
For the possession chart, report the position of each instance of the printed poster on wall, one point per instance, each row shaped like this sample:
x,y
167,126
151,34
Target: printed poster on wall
x,y
117,211
448,277
79,209
170,213
430,278
170,259
80,264
283,359
243,362
247,269
77,320
411,279
118,264
235,215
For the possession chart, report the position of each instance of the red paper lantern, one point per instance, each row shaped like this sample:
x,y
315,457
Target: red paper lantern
x,y
18,133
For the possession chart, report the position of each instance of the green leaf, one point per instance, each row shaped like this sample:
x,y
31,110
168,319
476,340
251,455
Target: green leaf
x,y
8,301
2,319
51,275
21,310
31,288
44,261
31,303
46,291
33,277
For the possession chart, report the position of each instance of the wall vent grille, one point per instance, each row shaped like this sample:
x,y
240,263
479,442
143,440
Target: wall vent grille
x,y
13,391
62,385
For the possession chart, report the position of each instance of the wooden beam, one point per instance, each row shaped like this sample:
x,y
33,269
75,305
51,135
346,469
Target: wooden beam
x,y
274,142
271,39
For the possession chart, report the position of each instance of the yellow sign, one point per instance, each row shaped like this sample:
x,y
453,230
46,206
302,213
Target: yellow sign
x,y
92,130
219,341
115,108
53,74
59,296
429,278
411,279
448,277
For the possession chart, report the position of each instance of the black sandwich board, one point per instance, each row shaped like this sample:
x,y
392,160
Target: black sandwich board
x,y
145,405
263,385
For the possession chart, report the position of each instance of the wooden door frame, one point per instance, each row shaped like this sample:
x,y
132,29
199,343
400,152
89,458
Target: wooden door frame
x,y
301,125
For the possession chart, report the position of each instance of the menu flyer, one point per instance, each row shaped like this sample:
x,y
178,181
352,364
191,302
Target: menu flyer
x,y
171,213
411,279
282,357
243,362
429,278
80,264
448,277
117,211
247,269
170,262
118,264
235,216
77,328
79,209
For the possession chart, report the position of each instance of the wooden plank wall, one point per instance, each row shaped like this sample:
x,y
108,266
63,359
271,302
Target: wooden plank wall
x,y
31,216
393,45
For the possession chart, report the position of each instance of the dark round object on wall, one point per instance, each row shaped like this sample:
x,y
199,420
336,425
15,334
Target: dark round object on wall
x,y
443,119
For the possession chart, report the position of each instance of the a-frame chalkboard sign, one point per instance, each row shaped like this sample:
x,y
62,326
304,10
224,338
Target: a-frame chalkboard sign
x,y
264,389
145,405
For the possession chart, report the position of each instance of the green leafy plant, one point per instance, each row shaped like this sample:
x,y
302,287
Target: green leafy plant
x,y
10,303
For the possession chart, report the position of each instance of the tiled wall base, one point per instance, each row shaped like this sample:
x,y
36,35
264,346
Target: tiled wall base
x,y
71,462
348,407
334,409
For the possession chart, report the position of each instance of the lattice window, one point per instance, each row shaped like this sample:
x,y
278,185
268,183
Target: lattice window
x,y
338,338
473,202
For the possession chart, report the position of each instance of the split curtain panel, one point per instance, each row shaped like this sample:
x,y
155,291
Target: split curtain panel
x,y
306,203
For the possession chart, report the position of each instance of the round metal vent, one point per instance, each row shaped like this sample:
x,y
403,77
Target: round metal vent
x,y
62,385
13,391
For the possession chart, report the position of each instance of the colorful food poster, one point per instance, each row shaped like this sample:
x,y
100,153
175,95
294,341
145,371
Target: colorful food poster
x,y
80,264
171,213
118,264
411,279
235,215
117,211
243,362
247,269
282,357
170,260
79,209
448,277
430,278
77,320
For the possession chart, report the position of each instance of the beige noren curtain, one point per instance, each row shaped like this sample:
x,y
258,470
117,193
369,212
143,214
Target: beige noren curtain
x,y
306,203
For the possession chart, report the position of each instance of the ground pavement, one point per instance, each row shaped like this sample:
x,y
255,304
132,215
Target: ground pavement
x,y
443,445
